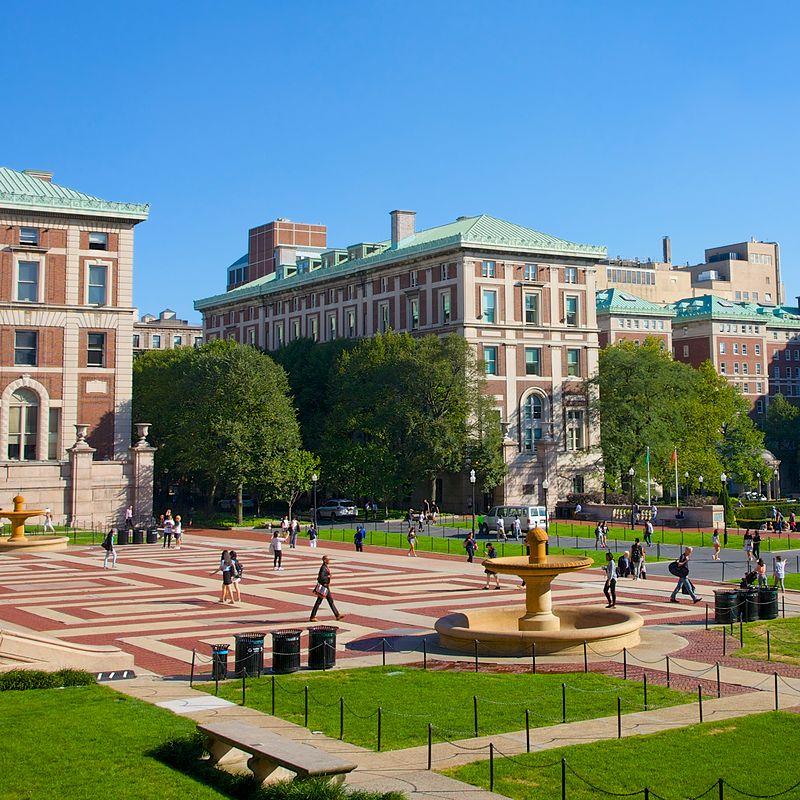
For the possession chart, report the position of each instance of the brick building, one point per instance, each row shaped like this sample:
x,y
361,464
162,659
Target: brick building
x,y
165,332
523,299
622,316
66,321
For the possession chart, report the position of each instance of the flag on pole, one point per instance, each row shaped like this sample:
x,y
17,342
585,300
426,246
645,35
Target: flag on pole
x,y
677,490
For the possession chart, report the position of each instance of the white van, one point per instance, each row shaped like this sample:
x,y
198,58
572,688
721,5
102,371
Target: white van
x,y
529,517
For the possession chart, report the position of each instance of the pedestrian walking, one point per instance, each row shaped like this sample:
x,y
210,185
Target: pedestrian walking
x,y
129,518
358,538
792,522
108,545
323,590
598,535
604,535
653,513
313,535
411,538
516,527
178,532
715,544
169,528
756,544
748,547
761,571
648,532
501,530
491,552
610,586
238,571
778,572
294,529
470,545
680,569
226,568
637,558
48,521
276,545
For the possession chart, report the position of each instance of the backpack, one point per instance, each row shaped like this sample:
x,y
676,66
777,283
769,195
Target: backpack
x,y
106,543
636,552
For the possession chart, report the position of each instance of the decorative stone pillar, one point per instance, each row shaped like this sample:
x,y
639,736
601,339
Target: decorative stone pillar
x,y
81,485
141,457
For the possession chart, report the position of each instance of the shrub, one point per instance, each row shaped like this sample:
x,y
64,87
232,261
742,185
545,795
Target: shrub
x,y
19,679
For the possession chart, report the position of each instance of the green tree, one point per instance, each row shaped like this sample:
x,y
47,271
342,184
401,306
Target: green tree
x,y
782,438
294,478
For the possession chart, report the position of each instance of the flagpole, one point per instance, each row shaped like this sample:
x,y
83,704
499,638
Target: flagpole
x,y
649,504
677,490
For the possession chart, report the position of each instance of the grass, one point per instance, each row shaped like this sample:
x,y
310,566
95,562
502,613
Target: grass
x,y
411,698
784,641
678,763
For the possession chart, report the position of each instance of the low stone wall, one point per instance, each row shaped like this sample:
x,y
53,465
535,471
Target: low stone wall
x,y
710,516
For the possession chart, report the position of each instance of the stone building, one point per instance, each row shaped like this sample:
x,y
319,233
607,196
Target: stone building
x,y
523,299
66,322
165,332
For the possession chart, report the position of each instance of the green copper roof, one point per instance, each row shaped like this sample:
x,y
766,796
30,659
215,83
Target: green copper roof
x,y
482,231
709,306
616,301
20,190
781,316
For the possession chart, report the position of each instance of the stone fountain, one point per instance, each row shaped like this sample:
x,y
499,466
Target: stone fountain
x,y
503,631
18,541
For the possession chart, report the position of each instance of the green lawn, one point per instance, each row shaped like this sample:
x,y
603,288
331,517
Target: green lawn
x,y
755,754
784,640
411,698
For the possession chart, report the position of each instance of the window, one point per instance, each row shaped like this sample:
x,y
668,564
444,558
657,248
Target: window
x,y
26,346
295,334
531,422
95,350
745,368
251,338
489,306
350,291
331,327
759,388
279,340
722,348
574,430
758,349
573,362
198,341
578,484
571,310
383,317
488,269
723,368
155,341
759,406
413,313
444,307
177,341
797,355
686,351
28,281
533,360
735,367
351,324
331,295
23,425
788,354
29,236
745,388
767,297
384,285
135,341
98,241
758,368
531,308
755,297
313,331
738,295
776,372
490,359
735,348
98,275
443,272
776,355
52,434
570,274
788,372
413,278
531,272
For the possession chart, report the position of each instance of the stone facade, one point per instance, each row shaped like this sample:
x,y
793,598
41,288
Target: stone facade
x,y
165,332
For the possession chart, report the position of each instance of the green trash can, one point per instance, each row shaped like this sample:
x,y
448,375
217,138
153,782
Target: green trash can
x,y
285,651
726,604
767,603
748,605
321,647
219,662
122,536
249,653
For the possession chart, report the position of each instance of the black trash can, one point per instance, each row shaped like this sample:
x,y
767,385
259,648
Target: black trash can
x,y
748,605
138,536
152,535
726,605
285,651
122,536
219,661
321,647
767,603
249,653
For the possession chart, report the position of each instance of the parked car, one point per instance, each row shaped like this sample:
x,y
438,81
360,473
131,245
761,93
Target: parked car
x,y
335,510
753,496
529,517
229,504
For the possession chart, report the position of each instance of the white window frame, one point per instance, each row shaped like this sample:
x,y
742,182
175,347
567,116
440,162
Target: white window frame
x,y
384,317
538,298
413,279
488,269
530,272
103,350
94,262
484,315
570,275
567,298
332,327
493,350
352,322
539,361
575,430
413,303
445,307
578,362
39,279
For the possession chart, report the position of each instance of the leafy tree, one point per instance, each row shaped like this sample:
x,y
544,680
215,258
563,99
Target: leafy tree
x,y
295,476
782,437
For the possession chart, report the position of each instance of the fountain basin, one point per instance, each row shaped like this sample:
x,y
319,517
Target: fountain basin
x,y
605,630
18,541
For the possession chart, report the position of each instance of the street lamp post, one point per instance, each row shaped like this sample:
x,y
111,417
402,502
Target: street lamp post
x,y
631,473
724,479
314,479
758,475
700,481
472,483
686,485
545,487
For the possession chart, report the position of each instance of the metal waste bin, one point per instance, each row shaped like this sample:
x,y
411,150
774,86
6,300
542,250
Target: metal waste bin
x,y
121,536
138,536
767,603
249,653
748,605
219,661
321,647
285,651
152,535
726,605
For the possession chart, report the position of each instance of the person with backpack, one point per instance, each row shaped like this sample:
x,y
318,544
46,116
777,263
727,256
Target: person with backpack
x,y
238,571
108,545
313,535
470,545
680,569
637,558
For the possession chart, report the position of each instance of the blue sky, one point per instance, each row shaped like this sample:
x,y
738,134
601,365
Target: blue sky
x,y
609,123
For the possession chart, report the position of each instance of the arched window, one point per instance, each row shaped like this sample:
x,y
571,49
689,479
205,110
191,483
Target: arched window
x,y
531,416
23,425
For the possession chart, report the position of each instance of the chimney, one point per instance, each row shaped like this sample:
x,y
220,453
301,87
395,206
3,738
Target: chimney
x,y
403,225
47,177
667,248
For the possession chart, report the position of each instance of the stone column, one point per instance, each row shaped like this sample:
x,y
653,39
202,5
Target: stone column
x,y
141,457
81,491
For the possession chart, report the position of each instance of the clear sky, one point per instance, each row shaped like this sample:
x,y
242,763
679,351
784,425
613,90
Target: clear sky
x,y
609,123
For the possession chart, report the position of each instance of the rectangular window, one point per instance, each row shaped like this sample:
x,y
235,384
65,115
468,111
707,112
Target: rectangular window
x,y
531,272
735,348
96,350
98,241
759,388
574,430
443,272
413,313
198,341
351,324
383,317
177,341
384,285
28,281
531,308
295,329
570,274
444,307
722,348
155,341
489,306
135,341
331,327
723,369
686,351
571,310
26,348
755,297
490,359
797,355
98,276
759,406
788,354
745,387
29,236
758,369
735,367
279,340
413,278
745,368
758,349
313,329
488,269
54,425
573,362
533,360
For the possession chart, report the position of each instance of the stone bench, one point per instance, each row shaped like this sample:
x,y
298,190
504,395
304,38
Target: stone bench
x,y
269,750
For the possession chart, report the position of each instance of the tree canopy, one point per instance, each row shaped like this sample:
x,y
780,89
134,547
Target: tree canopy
x,y
782,437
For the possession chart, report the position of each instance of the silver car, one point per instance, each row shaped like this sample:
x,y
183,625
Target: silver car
x,y
529,517
335,510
